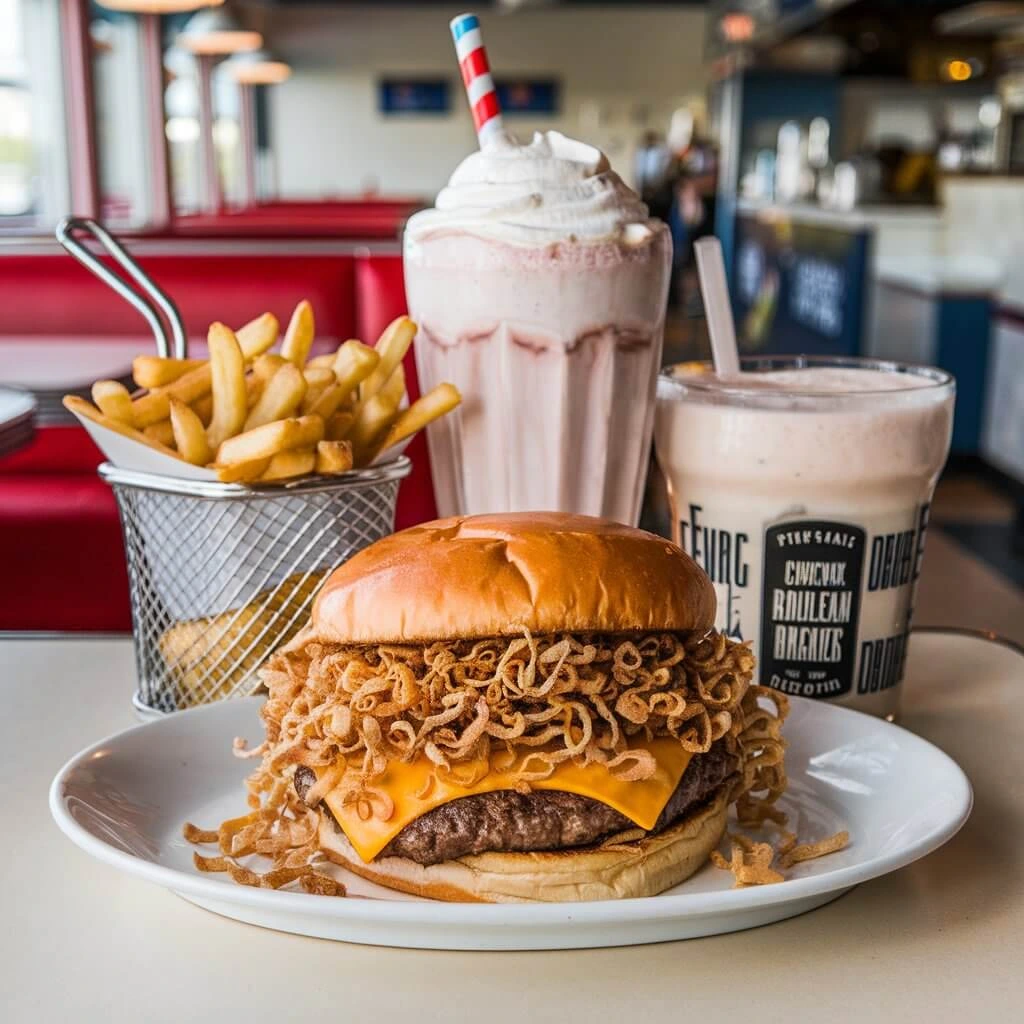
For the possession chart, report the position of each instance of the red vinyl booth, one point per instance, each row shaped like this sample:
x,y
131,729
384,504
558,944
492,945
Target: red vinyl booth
x,y
369,219
60,537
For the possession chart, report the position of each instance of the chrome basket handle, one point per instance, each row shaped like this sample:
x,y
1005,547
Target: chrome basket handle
x,y
151,292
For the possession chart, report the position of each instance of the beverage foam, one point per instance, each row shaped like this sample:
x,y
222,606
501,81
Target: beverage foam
x,y
818,380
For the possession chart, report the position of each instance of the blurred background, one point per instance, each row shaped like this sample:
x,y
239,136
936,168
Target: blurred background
x,y
862,162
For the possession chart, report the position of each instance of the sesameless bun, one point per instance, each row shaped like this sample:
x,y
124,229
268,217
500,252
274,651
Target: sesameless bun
x,y
484,576
640,868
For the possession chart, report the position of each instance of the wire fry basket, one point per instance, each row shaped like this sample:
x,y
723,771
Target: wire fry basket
x,y
221,575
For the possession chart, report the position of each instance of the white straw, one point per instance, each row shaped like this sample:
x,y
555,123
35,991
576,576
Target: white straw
x,y
717,309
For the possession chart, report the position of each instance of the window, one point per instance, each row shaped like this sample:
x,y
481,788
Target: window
x,y
122,134
34,189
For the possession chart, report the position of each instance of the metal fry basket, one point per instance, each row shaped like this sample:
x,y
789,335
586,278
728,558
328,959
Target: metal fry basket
x,y
221,574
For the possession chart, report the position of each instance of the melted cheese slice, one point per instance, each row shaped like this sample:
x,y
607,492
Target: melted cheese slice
x,y
640,801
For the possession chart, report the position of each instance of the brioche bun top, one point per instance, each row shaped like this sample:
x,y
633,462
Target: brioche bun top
x,y
493,575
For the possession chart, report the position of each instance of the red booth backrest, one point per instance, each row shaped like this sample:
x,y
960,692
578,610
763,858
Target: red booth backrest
x,y
52,294
380,287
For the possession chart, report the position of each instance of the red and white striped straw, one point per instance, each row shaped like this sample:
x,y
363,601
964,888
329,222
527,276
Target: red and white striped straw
x,y
476,75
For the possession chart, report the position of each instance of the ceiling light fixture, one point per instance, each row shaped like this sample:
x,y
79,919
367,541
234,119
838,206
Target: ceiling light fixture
x,y
216,33
258,67
157,6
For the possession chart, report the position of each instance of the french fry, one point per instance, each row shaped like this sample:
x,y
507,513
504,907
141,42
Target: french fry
x,y
298,338
431,406
354,363
333,457
156,371
241,472
324,362
286,465
162,432
113,400
260,443
196,385
189,434
253,389
154,406
311,432
281,397
391,347
339,425
312,394
394,387
188,388
317,381
252,416
224,651
258,335
253,339
326,403
319,376
266,441
266,365
227,369
75,404
203,407
373,419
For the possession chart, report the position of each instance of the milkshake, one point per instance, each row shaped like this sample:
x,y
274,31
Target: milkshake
x,y
803,489
539,285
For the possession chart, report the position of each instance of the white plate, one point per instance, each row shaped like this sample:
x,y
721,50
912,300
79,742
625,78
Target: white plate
x,y
47,363
124,801
16,407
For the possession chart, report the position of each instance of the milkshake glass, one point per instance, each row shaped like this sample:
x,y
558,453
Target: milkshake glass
x,y
539,285
803,487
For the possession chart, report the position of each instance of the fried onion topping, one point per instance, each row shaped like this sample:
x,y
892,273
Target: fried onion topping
x,y
524,703
530,702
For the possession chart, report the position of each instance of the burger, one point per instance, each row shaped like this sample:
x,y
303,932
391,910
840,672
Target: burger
x,y
510,708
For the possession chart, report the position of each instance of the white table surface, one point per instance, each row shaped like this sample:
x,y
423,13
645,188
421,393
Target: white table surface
x,y
939,941
56,364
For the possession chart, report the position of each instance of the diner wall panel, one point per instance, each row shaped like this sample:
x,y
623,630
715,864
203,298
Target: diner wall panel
x,y
1003,435
623,71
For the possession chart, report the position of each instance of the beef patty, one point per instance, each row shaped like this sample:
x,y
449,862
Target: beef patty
x,y
512,822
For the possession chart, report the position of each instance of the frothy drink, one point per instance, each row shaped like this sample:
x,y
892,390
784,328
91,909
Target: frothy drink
x,y
803,491
539,285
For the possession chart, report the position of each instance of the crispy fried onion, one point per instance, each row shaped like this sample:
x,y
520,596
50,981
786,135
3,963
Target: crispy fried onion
x,y
271,831
761,782
529,702
523,705
761,863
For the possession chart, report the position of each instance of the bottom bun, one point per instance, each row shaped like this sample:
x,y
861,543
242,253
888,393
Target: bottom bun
x,y
642,867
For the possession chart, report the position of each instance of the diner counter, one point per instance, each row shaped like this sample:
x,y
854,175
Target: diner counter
x,y
909,245
938,941
860,217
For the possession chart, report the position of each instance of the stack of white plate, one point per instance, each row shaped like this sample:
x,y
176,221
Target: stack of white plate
x,y
17,419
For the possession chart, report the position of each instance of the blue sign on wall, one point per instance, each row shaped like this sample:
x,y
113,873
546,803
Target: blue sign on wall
x,y
799,287
528,95
413,96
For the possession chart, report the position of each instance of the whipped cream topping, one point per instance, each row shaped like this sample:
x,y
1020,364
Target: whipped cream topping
x,y
550,190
